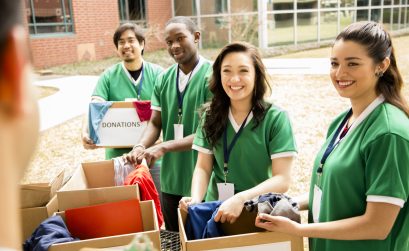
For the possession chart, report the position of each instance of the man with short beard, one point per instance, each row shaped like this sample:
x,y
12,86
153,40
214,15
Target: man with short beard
x,y
131,79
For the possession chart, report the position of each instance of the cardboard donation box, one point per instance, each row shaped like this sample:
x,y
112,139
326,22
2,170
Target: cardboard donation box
x,y
92,184
39,194
38,201
241,236
150,227
119,125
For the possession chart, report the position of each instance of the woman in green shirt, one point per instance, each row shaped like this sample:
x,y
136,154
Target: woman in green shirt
x,y
245,145
360,179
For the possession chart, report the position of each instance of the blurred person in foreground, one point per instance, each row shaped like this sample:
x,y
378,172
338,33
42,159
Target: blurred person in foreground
x,y
360,181
19,122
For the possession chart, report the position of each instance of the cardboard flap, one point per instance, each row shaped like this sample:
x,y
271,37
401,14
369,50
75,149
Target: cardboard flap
x,y
95,196
32,217
122,104
77,181
39,194
99,174
52,206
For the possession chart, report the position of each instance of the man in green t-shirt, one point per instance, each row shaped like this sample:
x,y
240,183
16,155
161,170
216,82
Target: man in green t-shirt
x,y
179,92
131,79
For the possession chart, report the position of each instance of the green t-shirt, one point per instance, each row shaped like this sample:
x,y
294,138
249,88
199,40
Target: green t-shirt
x,y
177,167
370,164
250,159
116,84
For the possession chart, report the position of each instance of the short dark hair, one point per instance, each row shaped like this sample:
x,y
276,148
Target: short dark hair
x,y
10,16
139,34
190,25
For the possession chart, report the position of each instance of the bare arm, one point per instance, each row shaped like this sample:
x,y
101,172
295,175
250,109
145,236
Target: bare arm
x,y
200,181
302,201
152,131
231,209
375,223
151,152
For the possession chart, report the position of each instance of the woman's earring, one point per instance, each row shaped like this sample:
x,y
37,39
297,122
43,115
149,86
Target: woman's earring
x,y
379,74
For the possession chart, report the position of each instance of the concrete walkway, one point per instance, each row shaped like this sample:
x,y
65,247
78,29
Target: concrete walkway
x,y
74,93
291,66
70,101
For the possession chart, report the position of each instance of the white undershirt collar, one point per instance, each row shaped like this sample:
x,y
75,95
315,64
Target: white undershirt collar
x,y
233,122
379,100
183,78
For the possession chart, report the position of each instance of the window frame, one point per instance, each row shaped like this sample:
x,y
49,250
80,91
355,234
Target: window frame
x,y
67,24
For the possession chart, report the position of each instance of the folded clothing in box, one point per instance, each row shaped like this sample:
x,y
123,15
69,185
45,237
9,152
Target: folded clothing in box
x,y
106,219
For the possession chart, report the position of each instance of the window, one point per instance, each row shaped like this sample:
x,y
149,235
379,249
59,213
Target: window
x,y
132,11
49,16
185,8
210,7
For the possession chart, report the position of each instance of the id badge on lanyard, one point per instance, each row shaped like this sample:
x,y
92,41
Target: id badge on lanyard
x,y
178,131
225,190
178,128
316,201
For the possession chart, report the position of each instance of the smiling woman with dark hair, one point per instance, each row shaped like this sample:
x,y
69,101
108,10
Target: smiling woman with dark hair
x,y
360,181
245,145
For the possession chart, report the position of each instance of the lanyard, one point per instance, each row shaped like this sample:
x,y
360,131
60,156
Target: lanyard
x,y
139,90
227,149
182,95
332,145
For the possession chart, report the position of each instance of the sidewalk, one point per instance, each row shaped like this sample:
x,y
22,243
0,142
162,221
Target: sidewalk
x,y
71,100
298,66
75,92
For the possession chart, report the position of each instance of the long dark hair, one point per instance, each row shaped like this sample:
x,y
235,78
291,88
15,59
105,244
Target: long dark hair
x,y
216,113
378,44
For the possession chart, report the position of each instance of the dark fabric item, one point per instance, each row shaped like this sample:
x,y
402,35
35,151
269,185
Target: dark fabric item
x,y
213,229
143,178
170,210
274,204
51,231
200,221
143,108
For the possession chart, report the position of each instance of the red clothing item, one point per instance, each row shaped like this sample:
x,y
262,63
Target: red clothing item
x,y
143,108
107,219
143,178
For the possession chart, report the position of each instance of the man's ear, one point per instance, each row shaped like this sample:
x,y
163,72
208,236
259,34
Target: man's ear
x,y
197,36
13,63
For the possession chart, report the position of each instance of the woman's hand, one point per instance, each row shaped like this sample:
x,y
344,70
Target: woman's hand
x,y
230,209
277,224
185,202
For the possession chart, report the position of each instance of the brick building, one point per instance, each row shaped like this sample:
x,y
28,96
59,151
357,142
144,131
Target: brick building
x,y
67,31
